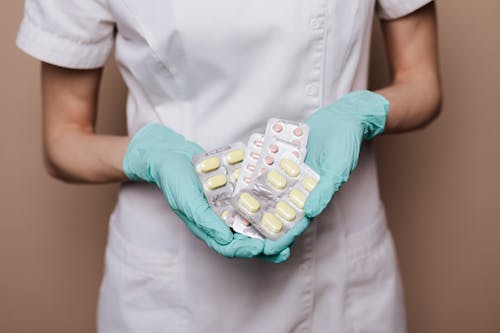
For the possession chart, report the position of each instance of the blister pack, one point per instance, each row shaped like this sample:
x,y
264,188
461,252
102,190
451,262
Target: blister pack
x,y
271,153
252,157
241,225
274,201
282,137
293,132
218,171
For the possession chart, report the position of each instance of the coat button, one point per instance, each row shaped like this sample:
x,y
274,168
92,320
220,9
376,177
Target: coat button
x,y
315,23
312,90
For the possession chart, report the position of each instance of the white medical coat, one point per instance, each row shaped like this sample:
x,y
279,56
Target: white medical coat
x,y
215,71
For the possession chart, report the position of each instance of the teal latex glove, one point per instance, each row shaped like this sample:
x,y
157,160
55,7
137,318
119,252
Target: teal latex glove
x,y
159,155
336,133
335,137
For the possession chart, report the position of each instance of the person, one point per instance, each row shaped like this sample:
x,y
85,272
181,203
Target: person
x,y
202,74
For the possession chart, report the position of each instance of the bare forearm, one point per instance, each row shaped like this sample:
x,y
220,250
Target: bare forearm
x,y
415,94
415,100
77,156
73,151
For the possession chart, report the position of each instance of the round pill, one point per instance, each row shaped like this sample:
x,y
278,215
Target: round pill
x,y
247,180
245,222
258,143
273,148
309,183
209,164
271,223
285,211
296,142
248,202
296,154
251,167
216,182
298,131
269,160
290,167
255,156
236,156
297,198
277,128
224,214
275,179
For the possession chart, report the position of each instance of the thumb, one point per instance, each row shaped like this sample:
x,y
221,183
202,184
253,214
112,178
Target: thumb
x,y
202,215
321,196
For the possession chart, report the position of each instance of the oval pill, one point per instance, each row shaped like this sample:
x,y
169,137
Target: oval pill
x,y
290,167
285,211
309,183
249,203
216,181
276,179
236,174
297,198
209,164
271,223
224,214
235,156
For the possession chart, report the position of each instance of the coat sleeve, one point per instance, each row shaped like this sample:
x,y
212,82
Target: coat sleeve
x,y
393,9
75,34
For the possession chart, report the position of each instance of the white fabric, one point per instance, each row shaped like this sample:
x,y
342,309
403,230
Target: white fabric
x,y
215,71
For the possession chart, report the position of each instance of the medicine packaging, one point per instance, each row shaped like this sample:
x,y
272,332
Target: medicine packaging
x,y
274,201
218,171
260,189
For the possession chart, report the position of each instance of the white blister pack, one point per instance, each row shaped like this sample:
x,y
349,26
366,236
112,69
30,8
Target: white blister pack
x,y
218,171
274,201
252,157
282,137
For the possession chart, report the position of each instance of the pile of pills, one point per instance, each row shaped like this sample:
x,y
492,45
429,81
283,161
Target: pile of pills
x,y
260,189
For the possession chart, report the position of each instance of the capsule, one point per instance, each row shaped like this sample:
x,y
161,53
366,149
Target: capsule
x,y
216,182
309,183
271,223
249,203
209,164
285,211
289,167
236,156
298,198
276,179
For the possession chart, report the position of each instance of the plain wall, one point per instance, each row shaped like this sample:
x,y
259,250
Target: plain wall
x,y
441,188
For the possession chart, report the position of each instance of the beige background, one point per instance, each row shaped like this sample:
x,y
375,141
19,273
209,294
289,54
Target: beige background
x,y
441,188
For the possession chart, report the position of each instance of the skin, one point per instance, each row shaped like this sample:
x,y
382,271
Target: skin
x,y
75,153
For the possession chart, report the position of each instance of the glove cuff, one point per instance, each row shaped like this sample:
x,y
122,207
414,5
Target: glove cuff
x,y
371,108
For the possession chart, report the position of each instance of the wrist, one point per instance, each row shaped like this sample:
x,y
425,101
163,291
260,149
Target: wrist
x,y
369,108
148,145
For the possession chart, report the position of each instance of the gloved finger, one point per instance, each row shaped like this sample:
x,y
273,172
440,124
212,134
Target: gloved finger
x,y
272,247
277,258
240,247
243,247
321,196
196,208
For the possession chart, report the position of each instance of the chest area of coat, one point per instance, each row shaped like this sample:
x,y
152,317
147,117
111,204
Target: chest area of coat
x,y
236,25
